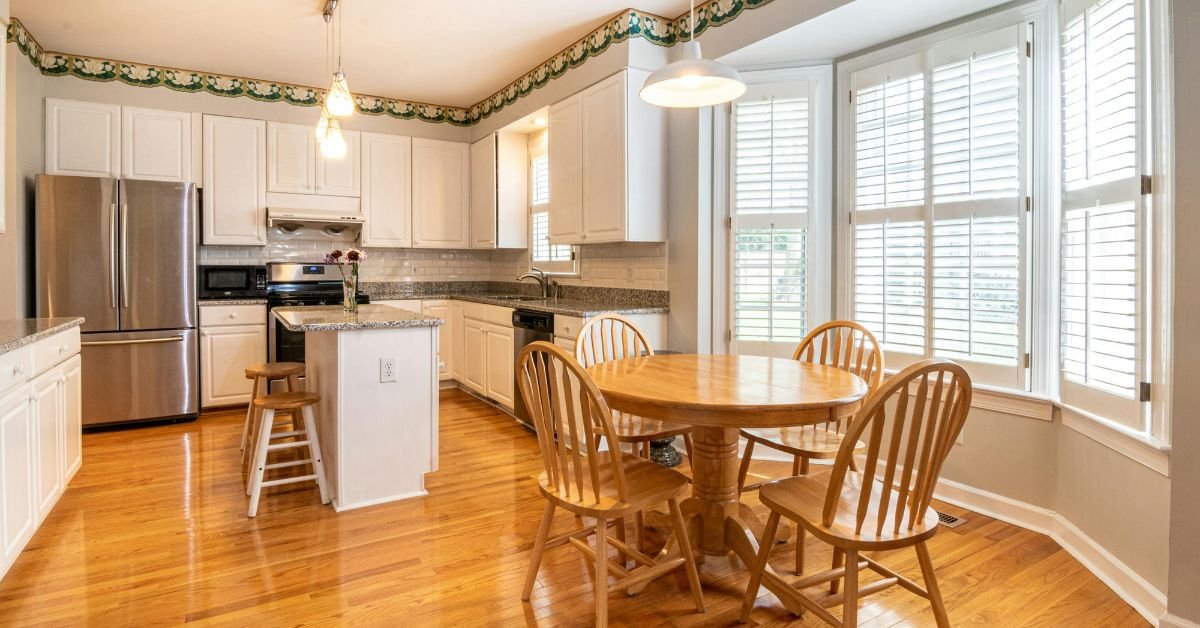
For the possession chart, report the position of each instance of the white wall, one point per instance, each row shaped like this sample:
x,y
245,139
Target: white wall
x,y
22,160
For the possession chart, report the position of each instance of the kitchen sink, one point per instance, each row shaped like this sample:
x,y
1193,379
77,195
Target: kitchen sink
x,y
516,297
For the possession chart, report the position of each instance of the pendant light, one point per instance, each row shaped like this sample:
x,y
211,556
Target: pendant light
x,y
692,81
329,131
338,101
333,143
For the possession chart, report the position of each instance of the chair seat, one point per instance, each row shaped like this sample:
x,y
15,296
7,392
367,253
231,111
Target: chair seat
x,y
275,370
287,400
808,441
648,484
802,499
631,428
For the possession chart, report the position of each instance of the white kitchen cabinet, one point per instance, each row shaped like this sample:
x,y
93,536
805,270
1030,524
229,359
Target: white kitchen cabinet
x,y
564,151
446,332
386,190
457,359
72,418
83,138
291,158
610,154
499,386
232,337
500,192
156,144
235,181
474,340
441,194
340,177
18,516
47,405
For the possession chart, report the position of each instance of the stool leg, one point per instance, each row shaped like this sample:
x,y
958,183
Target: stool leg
x,y
294,383
314,452
249,416
260,460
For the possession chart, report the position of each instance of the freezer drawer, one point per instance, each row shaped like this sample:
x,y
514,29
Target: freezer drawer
x,y
134,376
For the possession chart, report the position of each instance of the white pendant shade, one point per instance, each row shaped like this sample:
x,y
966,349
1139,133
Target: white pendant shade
x,y
333,143
323,124
692,82
339,102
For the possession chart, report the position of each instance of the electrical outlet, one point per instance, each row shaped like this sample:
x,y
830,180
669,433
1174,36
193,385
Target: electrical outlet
x,y
387,370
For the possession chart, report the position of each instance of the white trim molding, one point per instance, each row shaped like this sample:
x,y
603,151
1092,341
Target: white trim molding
x,y
1136,446
1171,620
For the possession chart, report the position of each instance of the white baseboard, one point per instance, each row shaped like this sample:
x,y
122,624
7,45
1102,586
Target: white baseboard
x,y
1175,621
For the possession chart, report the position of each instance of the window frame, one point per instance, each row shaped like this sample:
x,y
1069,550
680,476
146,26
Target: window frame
x,y
1150,447
568,268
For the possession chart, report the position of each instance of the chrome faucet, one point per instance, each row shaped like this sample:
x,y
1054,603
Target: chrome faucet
x,y
540,276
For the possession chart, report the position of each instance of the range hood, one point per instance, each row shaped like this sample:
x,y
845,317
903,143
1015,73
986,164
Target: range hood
x,y
291,219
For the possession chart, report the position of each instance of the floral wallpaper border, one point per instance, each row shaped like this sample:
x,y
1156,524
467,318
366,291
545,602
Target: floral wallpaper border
x,y
629,23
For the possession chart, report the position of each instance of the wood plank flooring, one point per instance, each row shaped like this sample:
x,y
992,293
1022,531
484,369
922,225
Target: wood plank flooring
x,y
153,531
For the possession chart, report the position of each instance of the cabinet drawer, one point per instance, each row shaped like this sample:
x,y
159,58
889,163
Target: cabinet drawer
x,y
567,326
15,368
48,352
222,315
494,314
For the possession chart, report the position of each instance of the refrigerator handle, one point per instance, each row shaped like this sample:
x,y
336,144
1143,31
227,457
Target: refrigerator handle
x,y
125,256
112,253
142,341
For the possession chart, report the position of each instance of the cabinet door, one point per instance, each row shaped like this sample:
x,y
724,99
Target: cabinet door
x,y
235,181
475,355
500,365
483,193
47,405
156,145
340,177
386,190
564,150
441,310
17,473
291,149
441,211
83,138
604,183
456,338
72,418
224,353
512,190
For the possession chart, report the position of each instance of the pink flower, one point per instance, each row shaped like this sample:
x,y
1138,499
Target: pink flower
x,y
333,257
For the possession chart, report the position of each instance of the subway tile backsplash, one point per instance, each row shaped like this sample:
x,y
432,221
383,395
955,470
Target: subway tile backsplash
x,y
641,266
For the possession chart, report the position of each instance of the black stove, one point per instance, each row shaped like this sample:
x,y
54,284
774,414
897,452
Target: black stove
x,y
297,285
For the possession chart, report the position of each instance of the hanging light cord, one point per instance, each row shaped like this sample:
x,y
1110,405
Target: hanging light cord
x,y
692,22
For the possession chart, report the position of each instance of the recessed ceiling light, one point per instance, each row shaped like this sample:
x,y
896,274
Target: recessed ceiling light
x,y
540,121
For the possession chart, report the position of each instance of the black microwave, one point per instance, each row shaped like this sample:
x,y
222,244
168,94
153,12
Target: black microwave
x,y
232,282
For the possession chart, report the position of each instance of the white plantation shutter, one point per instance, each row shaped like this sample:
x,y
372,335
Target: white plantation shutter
x,y
552,258
939,245
771,198
1103,306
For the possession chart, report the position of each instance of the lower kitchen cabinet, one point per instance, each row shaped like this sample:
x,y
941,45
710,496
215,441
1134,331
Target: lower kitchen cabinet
x,y
456,323
446,333
232,337
499,386
474,341
17,475
47,400
487,352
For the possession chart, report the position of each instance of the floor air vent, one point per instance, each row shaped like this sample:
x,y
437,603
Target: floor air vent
x,y
950,521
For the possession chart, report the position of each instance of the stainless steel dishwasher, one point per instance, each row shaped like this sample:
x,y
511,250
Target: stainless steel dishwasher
x,y
528,327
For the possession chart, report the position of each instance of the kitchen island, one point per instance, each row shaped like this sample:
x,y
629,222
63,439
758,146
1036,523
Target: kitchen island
x,y
377,373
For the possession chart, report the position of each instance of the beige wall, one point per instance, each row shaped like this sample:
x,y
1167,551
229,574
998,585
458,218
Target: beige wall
x,y
1184,593
23,159
1009,455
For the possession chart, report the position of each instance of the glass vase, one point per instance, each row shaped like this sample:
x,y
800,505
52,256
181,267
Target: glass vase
x,y
350,293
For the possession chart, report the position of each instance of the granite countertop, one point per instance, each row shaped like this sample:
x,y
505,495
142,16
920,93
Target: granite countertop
x,y
581,301
204,302
583,308
22,331
334,318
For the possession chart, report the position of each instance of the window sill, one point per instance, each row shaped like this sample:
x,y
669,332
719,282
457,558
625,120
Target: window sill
x,y
1146,450
1008,401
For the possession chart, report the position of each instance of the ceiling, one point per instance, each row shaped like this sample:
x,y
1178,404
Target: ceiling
x,y
850,28
447,52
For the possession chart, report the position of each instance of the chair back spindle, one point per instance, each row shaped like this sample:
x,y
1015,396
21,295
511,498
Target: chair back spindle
x,y
570,415
931,399
610,337
845,345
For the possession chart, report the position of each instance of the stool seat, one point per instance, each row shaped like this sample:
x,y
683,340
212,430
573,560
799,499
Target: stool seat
x,y
275,370
287,400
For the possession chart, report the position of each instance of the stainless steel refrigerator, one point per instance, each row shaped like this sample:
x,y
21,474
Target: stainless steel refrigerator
x,y
122,254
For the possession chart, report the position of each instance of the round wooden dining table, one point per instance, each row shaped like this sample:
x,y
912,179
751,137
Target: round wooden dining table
x,y
717,395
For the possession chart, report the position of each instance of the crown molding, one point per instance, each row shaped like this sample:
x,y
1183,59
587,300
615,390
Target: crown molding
x,y
626,25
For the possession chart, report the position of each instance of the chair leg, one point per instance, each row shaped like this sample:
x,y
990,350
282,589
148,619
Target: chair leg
x,y
850,600
620,529
800,538
797,465
601,573
687,445
314,452
639,530
689,557
260,460
745,468
931,585
539,546
760,563
839,557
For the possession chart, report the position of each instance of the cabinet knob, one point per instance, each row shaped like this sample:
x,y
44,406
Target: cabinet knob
x,y
17,369
62,349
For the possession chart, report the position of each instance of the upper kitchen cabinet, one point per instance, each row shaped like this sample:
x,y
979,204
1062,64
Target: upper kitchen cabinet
x,y
387,190
340,177
295,164
440,193
83,138
608,154
156,145
235,181
500,192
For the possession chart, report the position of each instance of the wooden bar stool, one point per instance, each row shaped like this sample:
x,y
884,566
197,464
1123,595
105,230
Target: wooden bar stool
x,y
263,375
266,407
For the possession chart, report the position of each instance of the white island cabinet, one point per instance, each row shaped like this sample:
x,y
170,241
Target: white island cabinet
x,y
376,372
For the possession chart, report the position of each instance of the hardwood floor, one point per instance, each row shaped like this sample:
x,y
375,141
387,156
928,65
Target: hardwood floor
x,y
153,531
